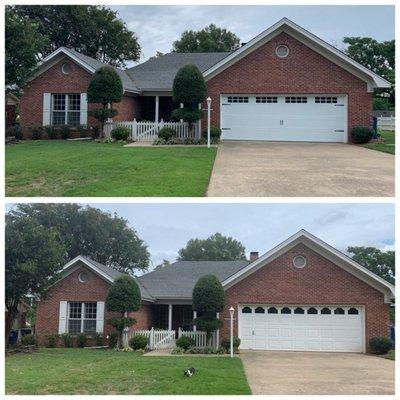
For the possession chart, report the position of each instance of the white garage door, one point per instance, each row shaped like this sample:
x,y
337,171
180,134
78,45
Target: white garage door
x,y
321,118
301,328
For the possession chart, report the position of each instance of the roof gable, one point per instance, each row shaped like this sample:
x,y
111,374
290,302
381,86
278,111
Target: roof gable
x,y
315,43
327,251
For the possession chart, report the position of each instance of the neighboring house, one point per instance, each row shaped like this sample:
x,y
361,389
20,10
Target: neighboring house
x,y
301,295
12,102
284,84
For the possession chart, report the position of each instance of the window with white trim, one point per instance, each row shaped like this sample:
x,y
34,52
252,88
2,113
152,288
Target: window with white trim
x,y
295,99
325,99
65,109
82,317
266,99
238,99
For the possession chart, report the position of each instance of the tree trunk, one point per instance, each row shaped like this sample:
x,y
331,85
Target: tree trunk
x,y
12,312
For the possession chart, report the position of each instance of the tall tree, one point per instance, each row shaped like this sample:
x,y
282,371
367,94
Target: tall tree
x,y
96,31
215,248
376,56
23,46
89,231
210,39
381,263
33,256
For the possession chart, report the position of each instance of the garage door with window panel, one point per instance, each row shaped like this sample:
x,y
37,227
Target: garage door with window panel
x,y
317,118
301,328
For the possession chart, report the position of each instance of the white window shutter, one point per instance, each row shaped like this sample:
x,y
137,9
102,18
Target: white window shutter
x,y
62,318
46,108
84,109
100,317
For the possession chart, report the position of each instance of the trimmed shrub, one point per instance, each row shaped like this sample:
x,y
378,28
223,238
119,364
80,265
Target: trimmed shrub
x,y
215,134
361,134
380,345
36,132
166,133
95,131
51,131
120,133
184,342
65,132
28,340
138,342
159,142
99,339
177,350
67,340
226,343
190,140
52,341
81,340
15,131
113,340
174,140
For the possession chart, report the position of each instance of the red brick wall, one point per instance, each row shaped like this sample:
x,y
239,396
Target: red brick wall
x,y
70,289
302,71
54,81
320,282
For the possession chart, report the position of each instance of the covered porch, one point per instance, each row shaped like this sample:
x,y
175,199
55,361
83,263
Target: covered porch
x,y
173,317
156,107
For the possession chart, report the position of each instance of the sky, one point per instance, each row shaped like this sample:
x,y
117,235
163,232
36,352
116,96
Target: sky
x,y
166,227
157,27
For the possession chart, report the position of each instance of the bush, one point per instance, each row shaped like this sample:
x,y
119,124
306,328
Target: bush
x,y
81,340
28,340
52,341
67,340
95,131
190,140
159,142
65,131
380,345
215,134
15,131
202,350
113,340
51,132
120,133
138,342
177,350
226,343
36,132
166,133
361,134
184,342
99,339
174,140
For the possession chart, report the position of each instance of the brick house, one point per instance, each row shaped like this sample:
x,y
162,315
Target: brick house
x,y
301,295
285,84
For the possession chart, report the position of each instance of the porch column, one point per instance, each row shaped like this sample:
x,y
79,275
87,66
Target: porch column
x,y
194,317
170,317
157,109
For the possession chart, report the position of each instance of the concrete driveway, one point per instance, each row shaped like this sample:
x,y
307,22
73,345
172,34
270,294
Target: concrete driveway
x,y
270,169
308,373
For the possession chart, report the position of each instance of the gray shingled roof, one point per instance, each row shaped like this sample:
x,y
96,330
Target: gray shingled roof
x,y
178,279
96,64
159,73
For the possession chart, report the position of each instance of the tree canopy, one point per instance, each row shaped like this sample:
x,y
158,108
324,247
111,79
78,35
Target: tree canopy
x,y
89,231
381,263
215,248
210,39
96,31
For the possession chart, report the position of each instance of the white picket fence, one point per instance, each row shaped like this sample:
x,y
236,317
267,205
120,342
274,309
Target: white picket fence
x,y
386,123
158,339
147,131
200,338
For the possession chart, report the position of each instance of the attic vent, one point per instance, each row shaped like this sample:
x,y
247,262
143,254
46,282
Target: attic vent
x,y
299,261
66,68
282,51
83,277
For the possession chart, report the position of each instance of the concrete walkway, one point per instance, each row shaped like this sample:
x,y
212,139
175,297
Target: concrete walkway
x,y
270,169
312,373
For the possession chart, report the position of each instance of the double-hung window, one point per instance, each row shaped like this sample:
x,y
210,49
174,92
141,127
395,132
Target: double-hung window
x,y
65,109
82,317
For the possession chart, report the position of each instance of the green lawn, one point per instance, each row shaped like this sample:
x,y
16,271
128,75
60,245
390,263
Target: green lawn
x,y
390,355
387,144
61,168
84,371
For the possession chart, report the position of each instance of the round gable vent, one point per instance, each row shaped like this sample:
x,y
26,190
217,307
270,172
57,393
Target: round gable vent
x,y
66,68
83,277
282,51
299,261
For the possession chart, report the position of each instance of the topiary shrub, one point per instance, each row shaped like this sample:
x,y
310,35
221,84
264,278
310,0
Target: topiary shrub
x,y
120,133
65,132
28,340
361,134
185,342
113,340
166,133
52,341
226,343
138,342
81,340
215,134
67,340
380,345
36,132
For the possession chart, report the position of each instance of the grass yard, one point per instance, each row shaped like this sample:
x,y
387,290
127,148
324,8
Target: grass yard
x,y
90,169
84,371
390,355
387,145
